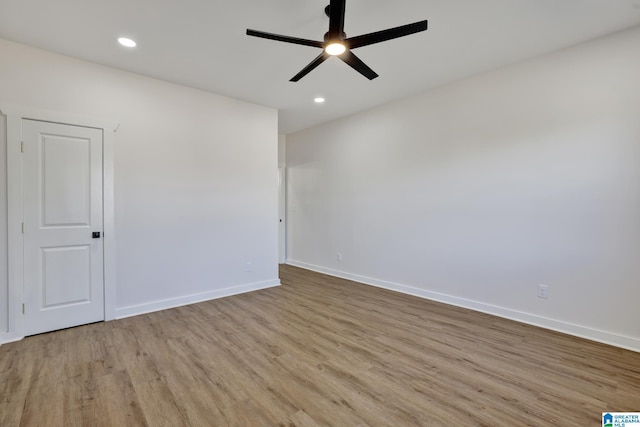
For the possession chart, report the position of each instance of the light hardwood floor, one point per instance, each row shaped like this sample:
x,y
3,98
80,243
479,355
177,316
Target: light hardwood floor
x,y
317,351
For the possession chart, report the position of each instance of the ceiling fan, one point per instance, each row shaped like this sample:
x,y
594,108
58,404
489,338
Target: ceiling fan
x,y
336,42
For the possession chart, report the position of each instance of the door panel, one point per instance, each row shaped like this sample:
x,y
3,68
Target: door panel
x,y
66,272
66,182
63,278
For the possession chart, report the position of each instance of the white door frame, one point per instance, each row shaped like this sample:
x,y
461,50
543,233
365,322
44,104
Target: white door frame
x,y
15,114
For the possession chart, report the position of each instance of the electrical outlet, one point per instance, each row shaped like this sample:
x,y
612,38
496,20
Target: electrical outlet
x,y
339,256
248,267
543,291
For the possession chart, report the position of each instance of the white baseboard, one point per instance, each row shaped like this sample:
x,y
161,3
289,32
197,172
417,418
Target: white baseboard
x,y
150,307
6,338
616,340
134,310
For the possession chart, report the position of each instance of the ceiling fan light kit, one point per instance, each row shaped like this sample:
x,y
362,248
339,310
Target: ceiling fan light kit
x,y
336,43
335,48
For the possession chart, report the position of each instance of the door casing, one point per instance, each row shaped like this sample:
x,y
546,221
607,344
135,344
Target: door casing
x,y
14,116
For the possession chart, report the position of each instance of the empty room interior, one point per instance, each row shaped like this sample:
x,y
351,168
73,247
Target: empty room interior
x,y
319,213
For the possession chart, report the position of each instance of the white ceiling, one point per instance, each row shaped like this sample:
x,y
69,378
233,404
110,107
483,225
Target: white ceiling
x,y
202,43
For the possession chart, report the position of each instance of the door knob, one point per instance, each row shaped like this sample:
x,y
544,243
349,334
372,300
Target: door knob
x,y
95,235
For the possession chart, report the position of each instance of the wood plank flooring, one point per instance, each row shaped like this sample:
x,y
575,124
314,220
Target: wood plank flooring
x,y
317,351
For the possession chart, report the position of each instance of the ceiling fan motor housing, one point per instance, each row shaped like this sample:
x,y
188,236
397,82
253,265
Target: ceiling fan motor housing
x,y
342,37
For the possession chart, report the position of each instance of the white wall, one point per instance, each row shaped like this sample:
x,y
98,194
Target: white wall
x,y
196,179
4,284
282,151
477,192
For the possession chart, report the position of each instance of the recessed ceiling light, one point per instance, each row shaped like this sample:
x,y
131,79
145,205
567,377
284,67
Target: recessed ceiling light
x,y
318,100
125,41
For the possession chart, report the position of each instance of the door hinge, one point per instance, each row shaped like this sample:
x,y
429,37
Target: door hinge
x,y
22,308
23,228
22,146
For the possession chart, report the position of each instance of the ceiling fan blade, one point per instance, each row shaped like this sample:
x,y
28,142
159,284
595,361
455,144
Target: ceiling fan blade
x,y
312,65
336,18
357,64
285,39
384,35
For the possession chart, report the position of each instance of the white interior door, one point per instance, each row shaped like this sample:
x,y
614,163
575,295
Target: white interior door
x,y
282,208
63,259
